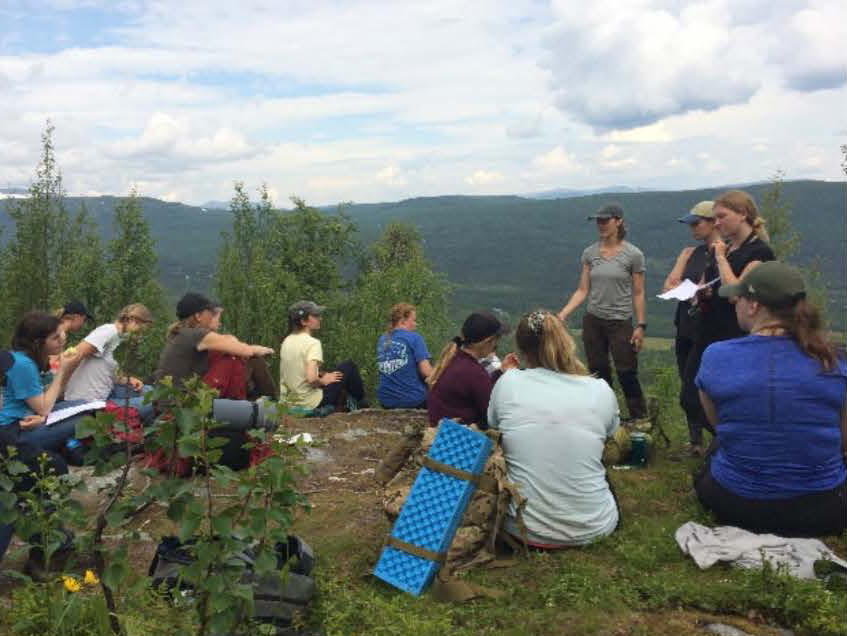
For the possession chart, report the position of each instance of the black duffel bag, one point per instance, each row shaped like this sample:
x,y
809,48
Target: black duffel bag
x,y
273,601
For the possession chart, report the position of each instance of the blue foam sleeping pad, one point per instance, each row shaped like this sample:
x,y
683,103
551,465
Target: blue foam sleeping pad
x,y
433,508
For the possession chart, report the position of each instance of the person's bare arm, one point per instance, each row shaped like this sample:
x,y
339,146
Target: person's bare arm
x,y
424,368
638,303
674,278
43,403
709,409
231,345
83,350
725,269
579,295
316,378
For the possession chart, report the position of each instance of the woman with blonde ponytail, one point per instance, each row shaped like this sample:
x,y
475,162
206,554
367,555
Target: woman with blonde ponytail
x,y
742,248
402,361
555,419
459,386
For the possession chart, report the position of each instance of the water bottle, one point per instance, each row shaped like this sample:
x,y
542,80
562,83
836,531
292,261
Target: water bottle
x,y
74,452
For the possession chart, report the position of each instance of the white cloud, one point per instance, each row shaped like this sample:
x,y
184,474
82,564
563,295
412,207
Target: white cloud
x,y
557,162
483,177
370,101
390,175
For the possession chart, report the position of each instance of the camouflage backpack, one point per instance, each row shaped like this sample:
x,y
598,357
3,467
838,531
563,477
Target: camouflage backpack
x,y
473,544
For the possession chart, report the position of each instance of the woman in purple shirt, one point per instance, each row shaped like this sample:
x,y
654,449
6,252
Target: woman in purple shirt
x,y
459,386
777,401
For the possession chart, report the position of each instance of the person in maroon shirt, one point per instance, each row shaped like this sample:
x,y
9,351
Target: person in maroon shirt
x,y
459,386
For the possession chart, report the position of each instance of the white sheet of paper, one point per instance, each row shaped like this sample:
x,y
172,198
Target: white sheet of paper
x,y
63,414
684,291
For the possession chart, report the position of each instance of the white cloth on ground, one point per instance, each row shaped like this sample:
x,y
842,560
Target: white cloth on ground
x,y
746,549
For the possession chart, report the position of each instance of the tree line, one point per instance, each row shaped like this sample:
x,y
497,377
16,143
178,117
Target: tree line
x,y
269,259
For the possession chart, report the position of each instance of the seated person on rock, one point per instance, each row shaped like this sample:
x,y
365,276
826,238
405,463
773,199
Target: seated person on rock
x,y
94,370
459,386
25,453
302,383
26,403
777,401
554,419
402,361
190,342
235,377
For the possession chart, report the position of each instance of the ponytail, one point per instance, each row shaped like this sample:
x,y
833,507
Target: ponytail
x,y
185,323
545,342
759,230
622,231
803,323
444,360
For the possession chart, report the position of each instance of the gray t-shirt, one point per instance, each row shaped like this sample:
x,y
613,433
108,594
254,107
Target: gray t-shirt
x,y
554,426
95,376
610,294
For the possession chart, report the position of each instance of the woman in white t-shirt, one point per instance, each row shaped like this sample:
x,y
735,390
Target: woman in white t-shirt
x,y
555,419
95,374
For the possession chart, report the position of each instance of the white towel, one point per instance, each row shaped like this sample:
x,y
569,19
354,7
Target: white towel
x,y
746,549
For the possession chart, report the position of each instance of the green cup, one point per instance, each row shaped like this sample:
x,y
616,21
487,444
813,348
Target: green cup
x,y
638,455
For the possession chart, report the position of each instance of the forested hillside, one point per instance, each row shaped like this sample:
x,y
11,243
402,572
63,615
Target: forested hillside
x,y
513,252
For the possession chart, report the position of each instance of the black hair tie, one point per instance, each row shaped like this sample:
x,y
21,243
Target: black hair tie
x,y
458,341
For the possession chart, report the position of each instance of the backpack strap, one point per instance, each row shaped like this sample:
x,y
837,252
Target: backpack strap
x,y
415,550
481,481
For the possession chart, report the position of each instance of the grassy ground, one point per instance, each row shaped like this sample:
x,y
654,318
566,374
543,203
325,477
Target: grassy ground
x,y
635,582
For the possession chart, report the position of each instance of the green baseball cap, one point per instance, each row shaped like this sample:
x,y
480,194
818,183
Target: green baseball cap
x,y
773,284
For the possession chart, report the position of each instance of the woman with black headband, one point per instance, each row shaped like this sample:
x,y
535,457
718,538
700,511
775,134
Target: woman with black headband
x,y
776,399
459,386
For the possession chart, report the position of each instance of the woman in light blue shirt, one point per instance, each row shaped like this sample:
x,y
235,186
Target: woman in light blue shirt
x,y
555,419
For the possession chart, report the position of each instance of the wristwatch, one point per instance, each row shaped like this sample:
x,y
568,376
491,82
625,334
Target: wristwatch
x,y
643,326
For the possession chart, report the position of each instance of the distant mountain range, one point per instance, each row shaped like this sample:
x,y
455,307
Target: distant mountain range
x,y
512,252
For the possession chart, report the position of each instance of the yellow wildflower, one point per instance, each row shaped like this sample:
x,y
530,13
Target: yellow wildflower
x,y
90,578
71,584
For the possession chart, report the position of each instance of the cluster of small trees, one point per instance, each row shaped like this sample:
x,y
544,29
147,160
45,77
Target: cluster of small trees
x,y
53,255
269,259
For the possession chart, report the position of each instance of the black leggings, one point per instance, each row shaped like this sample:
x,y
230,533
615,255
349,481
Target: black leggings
x,y
689,396
813,515
351,384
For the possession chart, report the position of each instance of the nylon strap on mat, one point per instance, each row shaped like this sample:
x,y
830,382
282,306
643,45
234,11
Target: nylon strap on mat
x,y
414,550
481,481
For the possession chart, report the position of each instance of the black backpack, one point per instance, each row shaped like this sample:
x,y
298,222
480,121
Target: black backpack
x,y
273,602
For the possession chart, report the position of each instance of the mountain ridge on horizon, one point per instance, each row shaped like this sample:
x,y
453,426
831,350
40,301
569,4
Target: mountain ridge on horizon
x,y
507,251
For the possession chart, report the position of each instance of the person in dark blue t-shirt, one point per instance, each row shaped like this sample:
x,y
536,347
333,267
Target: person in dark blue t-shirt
x,y
402,361
776,399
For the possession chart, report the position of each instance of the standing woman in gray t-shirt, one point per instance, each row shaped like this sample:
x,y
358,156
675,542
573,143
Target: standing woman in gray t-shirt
x,y
612,279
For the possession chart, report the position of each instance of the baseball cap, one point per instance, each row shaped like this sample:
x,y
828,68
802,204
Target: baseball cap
x,y
480,325
703,210
773,284
76,307
191,304
608,211
303,308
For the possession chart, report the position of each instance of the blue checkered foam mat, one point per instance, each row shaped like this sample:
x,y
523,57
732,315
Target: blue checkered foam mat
x,y
434,507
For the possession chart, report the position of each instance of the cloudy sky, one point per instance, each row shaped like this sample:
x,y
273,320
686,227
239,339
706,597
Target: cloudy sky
x,y
379,101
